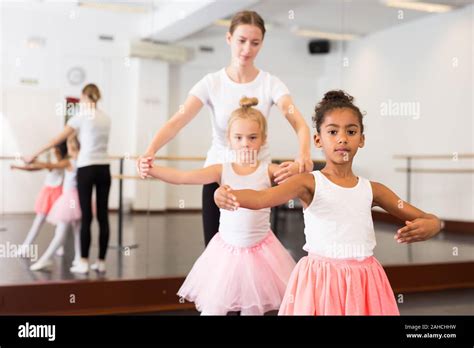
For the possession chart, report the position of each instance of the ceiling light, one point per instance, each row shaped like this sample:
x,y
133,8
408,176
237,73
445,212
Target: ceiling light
x,y
418,6
325,35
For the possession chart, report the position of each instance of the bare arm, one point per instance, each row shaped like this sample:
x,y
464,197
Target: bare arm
x,y
28,167
67,131
299,186
419,225
44,165
181,118
296,120
201,176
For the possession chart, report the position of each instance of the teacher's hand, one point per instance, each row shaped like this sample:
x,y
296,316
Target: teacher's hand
x,y
305,162
287,169
224,198
144,164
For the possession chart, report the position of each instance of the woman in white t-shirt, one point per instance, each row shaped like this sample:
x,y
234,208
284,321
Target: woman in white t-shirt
x,y
221,91
93,170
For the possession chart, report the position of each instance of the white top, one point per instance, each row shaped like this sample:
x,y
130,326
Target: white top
x,y
223,95
54,178
245,227
338,222
70,176
93,130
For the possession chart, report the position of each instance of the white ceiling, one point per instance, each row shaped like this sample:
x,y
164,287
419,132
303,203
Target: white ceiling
x,y
358,17
341,16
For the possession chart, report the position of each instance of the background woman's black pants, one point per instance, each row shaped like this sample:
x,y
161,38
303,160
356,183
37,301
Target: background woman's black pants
x,y
87,178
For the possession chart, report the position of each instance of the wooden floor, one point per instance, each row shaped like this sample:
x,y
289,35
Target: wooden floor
x,y
145,279
168,245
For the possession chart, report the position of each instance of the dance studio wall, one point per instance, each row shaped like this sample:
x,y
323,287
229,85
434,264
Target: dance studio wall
x,y
427,63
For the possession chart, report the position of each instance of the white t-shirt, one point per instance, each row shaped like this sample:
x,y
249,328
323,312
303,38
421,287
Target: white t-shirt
x,y
223,95
93,131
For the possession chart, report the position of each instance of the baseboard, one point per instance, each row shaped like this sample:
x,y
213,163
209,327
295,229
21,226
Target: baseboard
x,y
159,294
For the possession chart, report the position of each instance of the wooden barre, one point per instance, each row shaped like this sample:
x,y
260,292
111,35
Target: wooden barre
x,y
133,177
451,157
434,170
167,158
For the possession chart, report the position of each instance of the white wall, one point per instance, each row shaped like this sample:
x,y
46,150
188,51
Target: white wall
x,y
428,62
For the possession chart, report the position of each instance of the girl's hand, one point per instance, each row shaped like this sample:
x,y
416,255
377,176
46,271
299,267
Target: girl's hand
x,y
287,170
305,163
224,198
29,159
418,230
144,164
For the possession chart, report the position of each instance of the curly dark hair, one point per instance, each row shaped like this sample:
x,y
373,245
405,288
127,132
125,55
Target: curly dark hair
x,y
62,147
336,99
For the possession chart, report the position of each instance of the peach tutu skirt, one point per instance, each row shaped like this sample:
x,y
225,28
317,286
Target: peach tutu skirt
x,y
46,198
327,286
227,278
66,208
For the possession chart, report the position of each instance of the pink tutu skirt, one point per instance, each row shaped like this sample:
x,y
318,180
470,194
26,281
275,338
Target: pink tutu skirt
x,y
46,198
66,208
327,286
226,278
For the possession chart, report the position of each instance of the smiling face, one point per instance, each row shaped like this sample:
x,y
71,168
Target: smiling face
x,y
245,43
340,135
245,138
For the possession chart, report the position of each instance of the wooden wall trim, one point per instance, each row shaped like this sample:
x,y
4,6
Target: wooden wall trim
x,y
159,294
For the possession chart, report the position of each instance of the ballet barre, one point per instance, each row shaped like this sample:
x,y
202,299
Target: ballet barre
x,y
409,169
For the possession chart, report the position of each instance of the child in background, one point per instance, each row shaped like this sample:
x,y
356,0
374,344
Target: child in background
x,y
49,193
340,275
244,267
66,211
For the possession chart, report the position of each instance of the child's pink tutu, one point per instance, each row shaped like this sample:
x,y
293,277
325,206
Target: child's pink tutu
x,y
226,278
46,198
66,208
327,286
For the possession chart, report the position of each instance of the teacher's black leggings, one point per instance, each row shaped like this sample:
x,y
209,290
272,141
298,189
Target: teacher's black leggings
x,y
210,212
87,178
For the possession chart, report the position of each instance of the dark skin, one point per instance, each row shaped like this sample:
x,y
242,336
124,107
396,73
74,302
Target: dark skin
x,y
340,138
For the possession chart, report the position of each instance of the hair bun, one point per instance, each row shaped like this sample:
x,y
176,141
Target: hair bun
x,y
337,96
248,102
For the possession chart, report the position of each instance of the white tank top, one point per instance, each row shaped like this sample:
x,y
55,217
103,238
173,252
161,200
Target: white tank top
x,y
54,178
338,222
245,227
70,177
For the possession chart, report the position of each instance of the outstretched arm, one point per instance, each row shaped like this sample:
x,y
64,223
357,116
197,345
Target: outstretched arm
x,y
207,175
43,165
420,226
67,131
299,186
28,167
